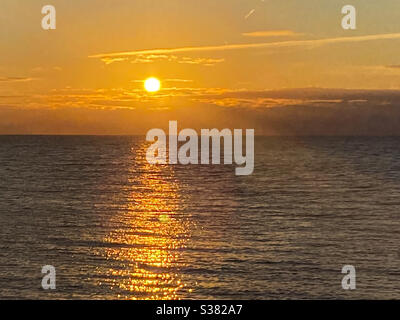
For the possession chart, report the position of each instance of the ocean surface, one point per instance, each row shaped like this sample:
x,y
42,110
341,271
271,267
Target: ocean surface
x,y
115,227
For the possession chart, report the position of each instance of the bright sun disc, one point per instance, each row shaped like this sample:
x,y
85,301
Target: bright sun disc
x,y
152,85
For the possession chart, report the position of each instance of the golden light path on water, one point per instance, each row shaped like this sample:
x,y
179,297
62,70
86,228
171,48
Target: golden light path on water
x,y
149,237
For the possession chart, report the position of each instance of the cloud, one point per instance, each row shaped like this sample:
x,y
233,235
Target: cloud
x,y
109,60
300,97
272,33
393,66
151,58
15,79
128,98
178,80
262,45
200,61
166,80
289,112
216,97
249,102
311,111
46,69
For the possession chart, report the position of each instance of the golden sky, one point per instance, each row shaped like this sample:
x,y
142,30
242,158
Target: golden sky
x,y
222,63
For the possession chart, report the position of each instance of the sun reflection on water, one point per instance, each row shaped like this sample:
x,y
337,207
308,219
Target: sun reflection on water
x,y
145,246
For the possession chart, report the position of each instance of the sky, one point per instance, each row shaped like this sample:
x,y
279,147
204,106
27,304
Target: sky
x,y
280,67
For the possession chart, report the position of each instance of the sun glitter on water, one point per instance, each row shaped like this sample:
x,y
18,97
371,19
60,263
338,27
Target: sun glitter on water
x,y
152,85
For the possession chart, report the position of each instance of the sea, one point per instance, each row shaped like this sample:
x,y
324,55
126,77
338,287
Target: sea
x,y
115,227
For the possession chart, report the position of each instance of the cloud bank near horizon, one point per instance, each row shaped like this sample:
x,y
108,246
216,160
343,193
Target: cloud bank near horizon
x,y
287,112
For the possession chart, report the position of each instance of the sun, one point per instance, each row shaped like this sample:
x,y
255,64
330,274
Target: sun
x,y
152,85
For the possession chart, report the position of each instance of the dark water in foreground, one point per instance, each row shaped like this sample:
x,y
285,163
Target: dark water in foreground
x,y
116,227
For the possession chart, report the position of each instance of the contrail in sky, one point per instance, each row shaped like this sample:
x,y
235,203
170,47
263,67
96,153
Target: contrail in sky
x,y
278,44
250,13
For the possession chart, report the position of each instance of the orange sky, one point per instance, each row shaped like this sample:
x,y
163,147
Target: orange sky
x,y
221,63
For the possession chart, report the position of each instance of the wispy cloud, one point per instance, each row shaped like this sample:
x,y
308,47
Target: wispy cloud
x,y
166,80
178,80
46,69
201,61
272,33
15,79
262,45
302,97
109,60
151,58
133,97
